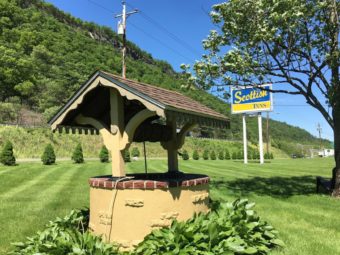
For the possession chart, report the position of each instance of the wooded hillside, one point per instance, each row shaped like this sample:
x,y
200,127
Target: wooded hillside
x,y
46,55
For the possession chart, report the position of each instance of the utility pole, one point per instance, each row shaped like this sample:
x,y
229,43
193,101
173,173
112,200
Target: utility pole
x,y
122,31
319,129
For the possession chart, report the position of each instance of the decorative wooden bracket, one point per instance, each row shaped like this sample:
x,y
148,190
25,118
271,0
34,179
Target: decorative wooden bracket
x,y
178,142
103,129
131,127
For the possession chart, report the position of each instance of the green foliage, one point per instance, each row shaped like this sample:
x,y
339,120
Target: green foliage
x,y
212,155
185,155
221,155
7,157
48,157
104,155
234,155
135,152
239,155
8,112
233,228
227,155
36,66
68,235
126,156
205,155
268,155
195,155
77,155
275,48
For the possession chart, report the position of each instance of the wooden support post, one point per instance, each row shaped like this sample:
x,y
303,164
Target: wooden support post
x,y
172,148
117,129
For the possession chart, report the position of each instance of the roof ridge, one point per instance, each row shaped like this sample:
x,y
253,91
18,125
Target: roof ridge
x,y
142,83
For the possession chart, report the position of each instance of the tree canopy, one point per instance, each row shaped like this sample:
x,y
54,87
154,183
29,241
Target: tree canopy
x,y
292,44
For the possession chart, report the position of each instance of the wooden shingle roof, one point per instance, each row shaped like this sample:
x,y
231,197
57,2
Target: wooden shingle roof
x,y
169,98
91,98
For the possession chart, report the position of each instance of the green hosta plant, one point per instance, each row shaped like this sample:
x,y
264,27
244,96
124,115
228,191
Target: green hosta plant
x,y
233,228
66,235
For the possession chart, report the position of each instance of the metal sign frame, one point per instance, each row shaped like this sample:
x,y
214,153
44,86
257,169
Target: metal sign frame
x,y
254,88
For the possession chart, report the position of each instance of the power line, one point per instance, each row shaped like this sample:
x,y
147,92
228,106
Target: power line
x,y
169,33
101,6
159,41
142,30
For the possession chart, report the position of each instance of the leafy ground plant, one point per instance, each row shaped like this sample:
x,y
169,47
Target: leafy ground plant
x,y
233,228
230,228
66,235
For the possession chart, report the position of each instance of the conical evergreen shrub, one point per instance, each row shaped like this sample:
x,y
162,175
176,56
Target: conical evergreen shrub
x,y
104,155
126,156
7,157
135,152
195,155
221,155
48,157
227,155
185,155
77,155
213,155
234,155
205,155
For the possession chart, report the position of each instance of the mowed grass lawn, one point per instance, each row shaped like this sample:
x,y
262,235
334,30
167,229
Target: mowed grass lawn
x,y
284,192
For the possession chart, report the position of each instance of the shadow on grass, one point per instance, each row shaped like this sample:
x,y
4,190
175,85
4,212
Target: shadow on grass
x,y
282,187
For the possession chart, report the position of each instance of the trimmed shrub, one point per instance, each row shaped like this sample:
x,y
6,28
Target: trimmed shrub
x,y
205,155
135,152
48,157
185,155
213,155
227,155
77,155
195,155
221,155
271,155
234,155
240,155
126,156
7,157
104,155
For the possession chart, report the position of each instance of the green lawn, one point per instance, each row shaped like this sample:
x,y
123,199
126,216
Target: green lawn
x,y
284,191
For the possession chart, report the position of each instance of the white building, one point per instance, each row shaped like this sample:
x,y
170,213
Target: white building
x,y
326,152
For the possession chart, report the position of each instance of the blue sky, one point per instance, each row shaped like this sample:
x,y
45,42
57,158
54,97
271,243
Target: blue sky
x,y
173,30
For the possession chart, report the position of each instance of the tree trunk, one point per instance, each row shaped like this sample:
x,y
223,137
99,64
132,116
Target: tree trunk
x,y
336,170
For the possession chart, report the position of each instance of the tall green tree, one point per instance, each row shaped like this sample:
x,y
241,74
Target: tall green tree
x,y
283,42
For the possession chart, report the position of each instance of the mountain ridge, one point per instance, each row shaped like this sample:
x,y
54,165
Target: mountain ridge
x,y
47,54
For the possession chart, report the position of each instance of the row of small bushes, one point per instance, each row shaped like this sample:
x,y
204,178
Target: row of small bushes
x,y
229,228
226,155
48,158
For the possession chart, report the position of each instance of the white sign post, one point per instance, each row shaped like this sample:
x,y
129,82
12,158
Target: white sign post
x,y
259,116
245,143
252,99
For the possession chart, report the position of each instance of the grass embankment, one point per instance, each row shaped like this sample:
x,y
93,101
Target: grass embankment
x,y
284,190
29,143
